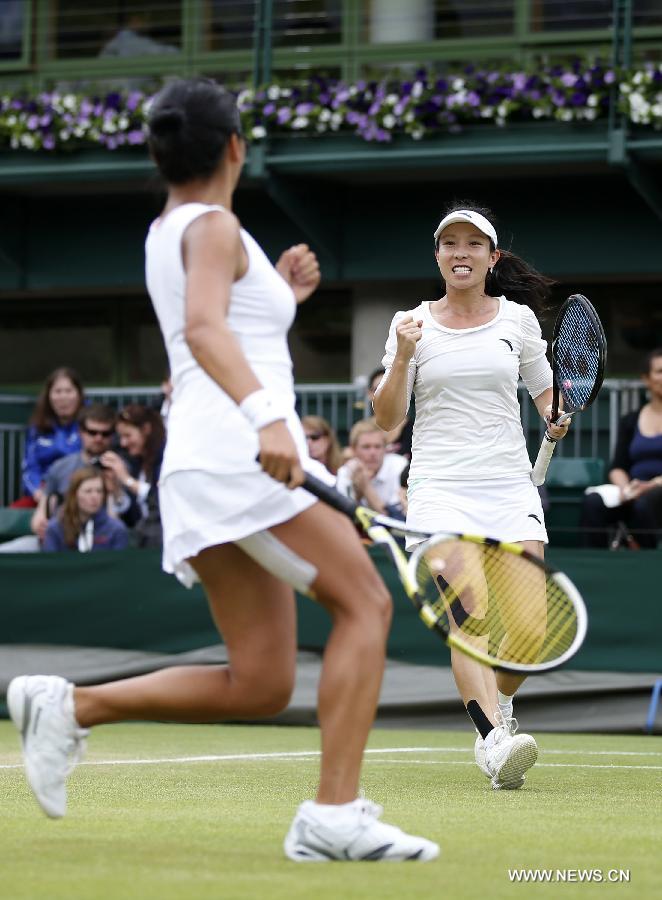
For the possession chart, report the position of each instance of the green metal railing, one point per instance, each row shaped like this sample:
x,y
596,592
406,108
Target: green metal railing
x,y
593,433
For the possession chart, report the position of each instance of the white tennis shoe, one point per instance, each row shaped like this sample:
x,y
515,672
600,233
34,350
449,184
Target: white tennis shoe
x,y
479,756
510,755
42,708
352,834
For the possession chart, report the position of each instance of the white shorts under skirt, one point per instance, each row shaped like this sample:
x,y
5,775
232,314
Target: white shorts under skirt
x,y
504,509
203,509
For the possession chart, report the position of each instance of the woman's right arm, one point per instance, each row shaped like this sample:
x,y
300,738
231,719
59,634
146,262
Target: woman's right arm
x,y
391,401
214,258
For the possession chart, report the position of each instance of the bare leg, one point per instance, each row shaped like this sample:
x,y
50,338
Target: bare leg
x,y
255,614
360,608
475,682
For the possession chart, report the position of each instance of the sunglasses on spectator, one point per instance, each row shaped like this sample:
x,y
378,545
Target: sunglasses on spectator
x,y
98,432
315,436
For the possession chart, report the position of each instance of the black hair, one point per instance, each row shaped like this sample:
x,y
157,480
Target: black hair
x,y
647,361
512,276
190,122
375,372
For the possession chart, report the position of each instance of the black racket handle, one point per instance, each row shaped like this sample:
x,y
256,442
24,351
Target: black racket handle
x,y
330,495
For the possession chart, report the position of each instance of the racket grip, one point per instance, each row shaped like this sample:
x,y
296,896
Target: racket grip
x,y
542,460
329,495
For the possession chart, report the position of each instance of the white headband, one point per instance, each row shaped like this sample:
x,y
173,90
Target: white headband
x,y
474,218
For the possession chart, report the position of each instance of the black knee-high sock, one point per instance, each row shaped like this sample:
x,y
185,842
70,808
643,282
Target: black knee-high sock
x,y
479,718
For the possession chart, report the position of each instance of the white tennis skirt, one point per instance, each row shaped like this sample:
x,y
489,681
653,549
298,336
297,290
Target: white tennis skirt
x,y
202,509
505,509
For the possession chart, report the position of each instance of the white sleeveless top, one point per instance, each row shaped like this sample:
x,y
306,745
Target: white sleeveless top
x,y
206,430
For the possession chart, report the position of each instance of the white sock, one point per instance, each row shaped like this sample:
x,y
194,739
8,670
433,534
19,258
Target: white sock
x,y
505,703
334,811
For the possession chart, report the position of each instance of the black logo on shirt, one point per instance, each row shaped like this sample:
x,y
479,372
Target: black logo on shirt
x,y
507,342
533,516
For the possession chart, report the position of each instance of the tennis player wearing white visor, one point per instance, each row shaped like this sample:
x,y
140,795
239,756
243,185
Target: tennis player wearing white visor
x,y
462,355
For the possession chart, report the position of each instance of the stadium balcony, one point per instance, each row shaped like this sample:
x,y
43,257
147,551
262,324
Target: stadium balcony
x,y
364,122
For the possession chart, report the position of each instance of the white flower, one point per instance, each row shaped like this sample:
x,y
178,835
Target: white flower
x,y
244,97
286,92
109,127
273,92
391,99
457,84
64,135
15,143
123,122
78,131
258,132
537,112
417,134
502,110
487,112
389,121
325,115
566,115
352,90
592,100
417,90
320,127
336,119
410,116
300,122
11,121
590,114
69,102
27,140
638,77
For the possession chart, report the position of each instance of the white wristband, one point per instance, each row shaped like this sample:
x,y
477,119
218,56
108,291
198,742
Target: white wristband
x,y
262,408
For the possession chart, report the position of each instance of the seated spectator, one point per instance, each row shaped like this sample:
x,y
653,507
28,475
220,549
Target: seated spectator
x,y
142,437
372,476
52,432
83,524
398,440
634,495
322,443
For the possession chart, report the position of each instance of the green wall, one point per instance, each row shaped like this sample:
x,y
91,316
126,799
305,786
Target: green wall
x,y
125,601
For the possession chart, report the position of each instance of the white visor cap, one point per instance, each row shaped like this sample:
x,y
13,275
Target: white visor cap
x,y
473,218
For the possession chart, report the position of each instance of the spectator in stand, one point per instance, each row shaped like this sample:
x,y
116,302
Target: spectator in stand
x,y
52,432
322,443
97,429
372,476
634,495
398,439
142,437
83,524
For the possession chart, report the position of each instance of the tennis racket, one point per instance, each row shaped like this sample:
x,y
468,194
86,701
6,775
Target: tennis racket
x,y
493,601
579,354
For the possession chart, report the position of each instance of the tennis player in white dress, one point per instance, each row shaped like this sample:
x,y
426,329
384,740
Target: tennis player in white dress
x,y
244,528
462,356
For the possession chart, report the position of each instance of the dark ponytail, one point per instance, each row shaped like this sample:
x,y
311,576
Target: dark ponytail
x,y
190,123
512,276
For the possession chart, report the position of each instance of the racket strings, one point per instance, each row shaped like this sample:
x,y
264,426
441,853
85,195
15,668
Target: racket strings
x,y
577,357
497,601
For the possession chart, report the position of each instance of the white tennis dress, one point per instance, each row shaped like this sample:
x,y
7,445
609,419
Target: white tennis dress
x,y
470,471
212,491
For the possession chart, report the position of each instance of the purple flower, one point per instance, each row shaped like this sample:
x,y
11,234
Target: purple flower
x,y
269,109
136,137
48,142
304,109
32,122
284,115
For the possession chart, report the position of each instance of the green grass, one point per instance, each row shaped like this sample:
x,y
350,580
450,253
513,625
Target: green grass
x,y
214,829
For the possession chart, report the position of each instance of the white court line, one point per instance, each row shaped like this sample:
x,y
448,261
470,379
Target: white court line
x,y
313,754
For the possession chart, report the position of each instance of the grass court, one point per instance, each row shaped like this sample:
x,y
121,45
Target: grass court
x,y
171,811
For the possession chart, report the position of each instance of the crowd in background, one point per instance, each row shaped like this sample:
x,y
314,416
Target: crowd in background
x,y
90,472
